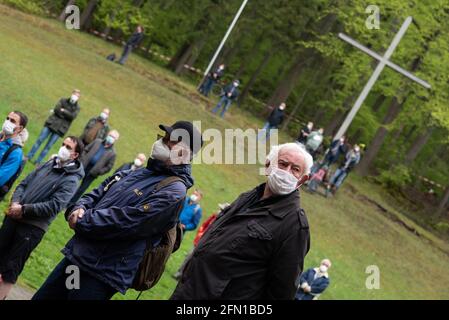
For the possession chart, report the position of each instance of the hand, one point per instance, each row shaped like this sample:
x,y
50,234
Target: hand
x,y
307,289
183,227
304,284
15,211
62,109
74,216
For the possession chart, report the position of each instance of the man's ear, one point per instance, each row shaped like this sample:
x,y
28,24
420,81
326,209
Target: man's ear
x,y
75,155
303,180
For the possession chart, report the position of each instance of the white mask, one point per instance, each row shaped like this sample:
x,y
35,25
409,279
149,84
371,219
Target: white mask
x,y
8,127
64,154
138,163
160,151
323,269
194,198
103,115
282,182
74,98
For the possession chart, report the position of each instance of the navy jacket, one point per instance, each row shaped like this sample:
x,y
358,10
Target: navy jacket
x,y
276,117
230,88
318,285
120,220
135,39
46,191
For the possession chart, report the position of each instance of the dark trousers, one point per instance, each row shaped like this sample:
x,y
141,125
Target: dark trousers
x,y
126,52
55,288
17,241
207,86
87,181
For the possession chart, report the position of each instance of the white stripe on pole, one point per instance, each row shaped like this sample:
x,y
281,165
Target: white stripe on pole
x,y
217,52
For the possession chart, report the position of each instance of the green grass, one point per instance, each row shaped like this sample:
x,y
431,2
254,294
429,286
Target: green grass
x,y
41,62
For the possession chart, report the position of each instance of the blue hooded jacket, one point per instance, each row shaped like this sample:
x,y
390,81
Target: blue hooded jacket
x,y
121,218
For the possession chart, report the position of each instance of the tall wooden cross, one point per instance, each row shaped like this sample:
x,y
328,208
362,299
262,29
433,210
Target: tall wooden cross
x,y
383,61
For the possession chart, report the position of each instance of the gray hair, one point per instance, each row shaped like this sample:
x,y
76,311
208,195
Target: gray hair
x,y
293,146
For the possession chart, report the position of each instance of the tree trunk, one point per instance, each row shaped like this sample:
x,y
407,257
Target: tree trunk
x,y
376,144
417,145
245,60
442,207
107,29
63,14
199,45
378,103
87,15
254,76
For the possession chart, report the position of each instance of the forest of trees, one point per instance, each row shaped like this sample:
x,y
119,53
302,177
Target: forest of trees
x,y
284,50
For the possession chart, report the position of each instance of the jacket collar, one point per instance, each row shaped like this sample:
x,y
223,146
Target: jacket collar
x,y
278,206
320,275
184,171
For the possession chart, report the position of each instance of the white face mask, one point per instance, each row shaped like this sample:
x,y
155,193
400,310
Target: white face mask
x,y
110,140
160,151
104,116
194,198
8,127
64,154
74,98
323,269
138,163
282,182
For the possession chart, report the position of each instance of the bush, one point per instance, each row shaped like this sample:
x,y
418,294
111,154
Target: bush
x,y
396,177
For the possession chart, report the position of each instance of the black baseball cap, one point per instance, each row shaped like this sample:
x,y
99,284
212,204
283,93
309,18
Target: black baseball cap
x,y
185,130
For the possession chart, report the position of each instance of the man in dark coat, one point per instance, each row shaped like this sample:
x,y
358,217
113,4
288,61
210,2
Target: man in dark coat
x,y
255,249
304,134
230,94
56,125
132,43
211,79
114,223
96,128
34,205
98,159
274,121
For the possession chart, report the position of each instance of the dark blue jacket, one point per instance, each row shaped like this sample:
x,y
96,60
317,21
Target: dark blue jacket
x,y
318,285
120,220
231,88
46,191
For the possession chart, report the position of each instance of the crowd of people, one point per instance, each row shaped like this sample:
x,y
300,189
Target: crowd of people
x,y
253,248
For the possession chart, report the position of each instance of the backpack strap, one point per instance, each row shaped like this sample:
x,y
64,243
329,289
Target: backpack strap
x,y
165,182
8,152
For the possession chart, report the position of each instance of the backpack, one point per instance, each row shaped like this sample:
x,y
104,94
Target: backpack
x,y
111,57
4,189
155,258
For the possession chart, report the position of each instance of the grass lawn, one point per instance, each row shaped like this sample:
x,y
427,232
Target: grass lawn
x,y
42,62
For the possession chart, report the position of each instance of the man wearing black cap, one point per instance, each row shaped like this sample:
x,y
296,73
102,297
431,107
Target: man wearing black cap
x,y
115,222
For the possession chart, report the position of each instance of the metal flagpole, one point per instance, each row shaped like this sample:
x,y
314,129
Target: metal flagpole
x,y
217,52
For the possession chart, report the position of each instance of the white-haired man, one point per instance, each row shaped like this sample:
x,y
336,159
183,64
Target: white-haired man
x,y
256,247
313,282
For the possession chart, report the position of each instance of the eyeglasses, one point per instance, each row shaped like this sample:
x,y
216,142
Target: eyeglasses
x,y
12,120
67,146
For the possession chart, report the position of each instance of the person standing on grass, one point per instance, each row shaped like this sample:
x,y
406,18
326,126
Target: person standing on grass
x,y
274,121
116,222
313,282
132,43
98,159
314,141
11,153
211,80
256,247
96,128
138,163
34,205
302,138
229,95
352,158
337,147
57,125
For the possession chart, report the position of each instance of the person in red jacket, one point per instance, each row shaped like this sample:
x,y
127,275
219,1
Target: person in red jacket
x,y
201,231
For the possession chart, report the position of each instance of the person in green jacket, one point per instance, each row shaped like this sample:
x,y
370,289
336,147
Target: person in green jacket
x,y
56,125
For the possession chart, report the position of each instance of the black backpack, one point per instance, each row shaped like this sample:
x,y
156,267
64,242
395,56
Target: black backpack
x,y
4,189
